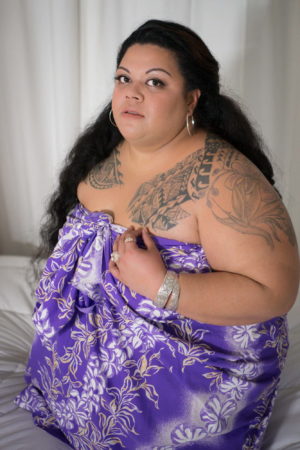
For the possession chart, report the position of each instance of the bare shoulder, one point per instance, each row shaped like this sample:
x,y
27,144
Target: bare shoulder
x,y
106,174
103,177
240,197
244,225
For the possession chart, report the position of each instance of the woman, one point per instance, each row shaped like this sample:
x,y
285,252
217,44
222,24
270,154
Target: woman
x,y
161,312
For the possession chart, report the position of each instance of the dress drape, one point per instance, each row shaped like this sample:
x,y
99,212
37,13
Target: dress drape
x,y
109,370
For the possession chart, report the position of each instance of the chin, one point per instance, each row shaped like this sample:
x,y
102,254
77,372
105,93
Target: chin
x,y
130,135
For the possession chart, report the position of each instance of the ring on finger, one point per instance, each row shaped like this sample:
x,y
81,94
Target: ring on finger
x,y
115,256
129,239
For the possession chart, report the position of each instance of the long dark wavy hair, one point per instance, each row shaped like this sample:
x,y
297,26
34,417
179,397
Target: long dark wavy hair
x,y
214,112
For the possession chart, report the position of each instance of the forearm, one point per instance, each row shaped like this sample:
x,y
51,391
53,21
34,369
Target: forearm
x,y
224,298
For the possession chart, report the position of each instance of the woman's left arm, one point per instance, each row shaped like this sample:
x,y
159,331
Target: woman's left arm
x,y
250,243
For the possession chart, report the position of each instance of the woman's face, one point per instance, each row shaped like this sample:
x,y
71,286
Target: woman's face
x,y
149,101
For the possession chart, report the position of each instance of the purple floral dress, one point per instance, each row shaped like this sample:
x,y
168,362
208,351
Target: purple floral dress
x,y
109,370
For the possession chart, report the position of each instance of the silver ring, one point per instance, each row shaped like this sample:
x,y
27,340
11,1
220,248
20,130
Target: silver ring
x,y
115,256
129,239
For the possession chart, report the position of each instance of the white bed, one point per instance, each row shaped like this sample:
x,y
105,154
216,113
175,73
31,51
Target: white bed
x,y
17,431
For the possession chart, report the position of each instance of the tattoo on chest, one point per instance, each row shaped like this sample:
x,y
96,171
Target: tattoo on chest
x,y
251,205
159,202
106,174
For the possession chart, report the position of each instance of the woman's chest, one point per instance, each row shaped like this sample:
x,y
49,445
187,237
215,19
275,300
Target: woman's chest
x,y
161,203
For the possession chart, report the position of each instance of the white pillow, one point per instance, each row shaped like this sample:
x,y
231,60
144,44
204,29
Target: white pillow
x,y
15,285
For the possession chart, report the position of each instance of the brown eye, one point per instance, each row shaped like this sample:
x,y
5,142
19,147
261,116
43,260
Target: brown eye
x,y
123,79
155,82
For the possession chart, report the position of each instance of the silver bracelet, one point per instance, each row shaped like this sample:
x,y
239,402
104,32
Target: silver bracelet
x,y
166,289
172,304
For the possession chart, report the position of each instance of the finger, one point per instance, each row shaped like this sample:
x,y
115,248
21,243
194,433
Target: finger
x,y
113,268
148,241
121,245
116,244
138,232
127,240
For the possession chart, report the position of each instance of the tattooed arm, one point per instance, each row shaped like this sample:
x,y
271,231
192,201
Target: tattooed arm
x,y
250,243
243,226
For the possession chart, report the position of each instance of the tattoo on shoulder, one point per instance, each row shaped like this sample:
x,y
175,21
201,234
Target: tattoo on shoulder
x,y
159,202
106,174
252,206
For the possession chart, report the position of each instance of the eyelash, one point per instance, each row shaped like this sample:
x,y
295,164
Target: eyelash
x,y
158,82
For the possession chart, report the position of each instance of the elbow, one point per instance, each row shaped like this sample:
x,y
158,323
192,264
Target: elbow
x,y
283,297
278,292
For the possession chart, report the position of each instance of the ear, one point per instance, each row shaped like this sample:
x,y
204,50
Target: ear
x,y
192,100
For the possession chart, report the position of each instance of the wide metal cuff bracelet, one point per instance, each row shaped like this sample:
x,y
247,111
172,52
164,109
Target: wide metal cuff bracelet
x,y
166,289
172,304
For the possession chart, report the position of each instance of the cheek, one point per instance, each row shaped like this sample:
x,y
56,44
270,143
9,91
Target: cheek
x,y
155,102
116,96
174,107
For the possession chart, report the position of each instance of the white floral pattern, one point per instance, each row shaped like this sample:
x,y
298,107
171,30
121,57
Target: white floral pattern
x,y
109,370
235,387
245,334
216,414
42,324
187,435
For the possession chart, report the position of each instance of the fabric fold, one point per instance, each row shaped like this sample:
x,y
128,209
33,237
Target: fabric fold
x,y
109,370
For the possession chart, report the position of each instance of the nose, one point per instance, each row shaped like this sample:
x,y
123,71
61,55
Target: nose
x,y
134,92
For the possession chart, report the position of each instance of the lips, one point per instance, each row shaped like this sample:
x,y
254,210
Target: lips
x,y
132,113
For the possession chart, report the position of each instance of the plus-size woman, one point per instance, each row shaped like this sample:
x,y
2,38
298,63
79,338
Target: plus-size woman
x,y
172,262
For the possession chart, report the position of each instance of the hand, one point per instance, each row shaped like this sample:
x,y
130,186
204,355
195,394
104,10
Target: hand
x,y
140,269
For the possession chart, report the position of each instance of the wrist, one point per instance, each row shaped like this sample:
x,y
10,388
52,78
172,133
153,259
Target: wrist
x,y
168,293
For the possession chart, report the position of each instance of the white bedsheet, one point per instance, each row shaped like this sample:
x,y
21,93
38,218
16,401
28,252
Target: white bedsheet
x,y
17,431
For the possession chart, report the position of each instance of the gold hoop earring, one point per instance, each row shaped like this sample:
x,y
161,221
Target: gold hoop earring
x,y
189,130
111,119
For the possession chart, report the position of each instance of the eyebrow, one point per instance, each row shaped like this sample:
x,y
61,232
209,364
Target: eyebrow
x,y
156,69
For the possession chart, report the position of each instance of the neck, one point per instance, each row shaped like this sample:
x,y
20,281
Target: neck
x,y
156,153
141,162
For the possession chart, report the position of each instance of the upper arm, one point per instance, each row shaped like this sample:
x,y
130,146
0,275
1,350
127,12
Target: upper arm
x,y
245,228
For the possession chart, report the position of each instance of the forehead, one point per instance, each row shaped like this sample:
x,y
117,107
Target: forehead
x,y
147,56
